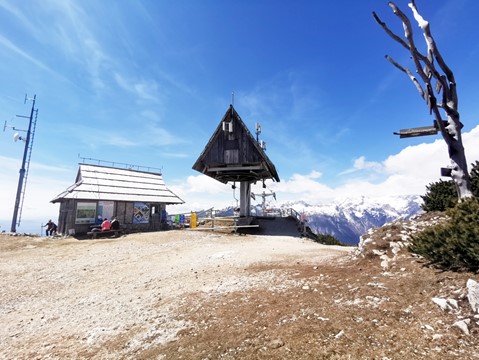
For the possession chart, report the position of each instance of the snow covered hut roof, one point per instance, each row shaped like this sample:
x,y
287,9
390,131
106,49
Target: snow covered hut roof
x,y
95,182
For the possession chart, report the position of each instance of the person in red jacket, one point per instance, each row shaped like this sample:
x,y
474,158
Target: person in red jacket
x,y
105,225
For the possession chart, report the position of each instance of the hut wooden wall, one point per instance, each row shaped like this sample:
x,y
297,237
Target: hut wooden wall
x,y
123,211
66,218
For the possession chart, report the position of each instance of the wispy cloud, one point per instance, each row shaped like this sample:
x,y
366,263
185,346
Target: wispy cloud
x,y
77,39
141,88
118,140
160,136
12,47
283,97
20,15
177,84
139,138
361,164
69,32
175,155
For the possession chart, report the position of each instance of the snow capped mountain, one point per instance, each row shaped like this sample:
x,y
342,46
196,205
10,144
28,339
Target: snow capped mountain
x,y
348,219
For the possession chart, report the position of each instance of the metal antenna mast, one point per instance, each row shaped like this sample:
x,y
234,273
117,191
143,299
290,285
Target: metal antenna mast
x,y
25,163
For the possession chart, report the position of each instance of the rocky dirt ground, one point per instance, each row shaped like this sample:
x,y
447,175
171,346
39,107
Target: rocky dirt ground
x,y
201,295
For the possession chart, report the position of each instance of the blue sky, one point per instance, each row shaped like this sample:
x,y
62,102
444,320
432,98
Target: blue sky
x,y
147,82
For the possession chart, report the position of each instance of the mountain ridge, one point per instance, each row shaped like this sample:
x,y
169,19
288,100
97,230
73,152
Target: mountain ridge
x,y
347,219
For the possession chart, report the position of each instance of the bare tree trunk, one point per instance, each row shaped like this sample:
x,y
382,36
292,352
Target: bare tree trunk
x,y
445,82
459,173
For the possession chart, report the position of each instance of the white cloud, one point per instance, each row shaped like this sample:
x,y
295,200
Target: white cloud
x,y
77,39
115,140
142,89
146,133
361,164
158,136
11,46
408,172
202,192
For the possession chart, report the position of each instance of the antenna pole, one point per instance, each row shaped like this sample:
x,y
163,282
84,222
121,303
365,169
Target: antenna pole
x,y
22,170
258,131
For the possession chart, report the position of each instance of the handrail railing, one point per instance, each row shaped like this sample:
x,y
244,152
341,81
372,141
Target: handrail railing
x,y
210,216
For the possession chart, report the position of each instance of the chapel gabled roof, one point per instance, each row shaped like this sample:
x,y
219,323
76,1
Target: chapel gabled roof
x,y
95,182
233,154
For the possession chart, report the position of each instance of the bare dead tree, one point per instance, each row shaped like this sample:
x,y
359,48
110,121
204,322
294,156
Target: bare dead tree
x,y
427,71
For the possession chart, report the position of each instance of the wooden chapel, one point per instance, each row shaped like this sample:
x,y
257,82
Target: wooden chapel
x,y
233,155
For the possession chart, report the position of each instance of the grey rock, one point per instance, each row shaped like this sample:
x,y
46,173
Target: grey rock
x,y
463,325
442,303
473,294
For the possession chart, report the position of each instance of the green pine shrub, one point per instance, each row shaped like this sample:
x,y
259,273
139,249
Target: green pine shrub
x,y
453,245
327,239
440,196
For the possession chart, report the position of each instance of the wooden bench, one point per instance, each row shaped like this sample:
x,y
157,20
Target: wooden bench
x,y
97,234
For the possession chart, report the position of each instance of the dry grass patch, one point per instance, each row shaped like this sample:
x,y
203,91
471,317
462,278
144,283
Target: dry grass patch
x,y
352,311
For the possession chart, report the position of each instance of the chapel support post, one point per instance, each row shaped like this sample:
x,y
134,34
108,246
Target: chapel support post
x,y
429,68
245,198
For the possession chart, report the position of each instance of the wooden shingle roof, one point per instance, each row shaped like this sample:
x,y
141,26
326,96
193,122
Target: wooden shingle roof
x,y
95,182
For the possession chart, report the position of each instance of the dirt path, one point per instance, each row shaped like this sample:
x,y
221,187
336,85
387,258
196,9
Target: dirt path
x,y
59,298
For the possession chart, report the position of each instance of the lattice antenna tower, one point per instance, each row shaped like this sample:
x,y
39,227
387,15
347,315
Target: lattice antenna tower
x,y
27,153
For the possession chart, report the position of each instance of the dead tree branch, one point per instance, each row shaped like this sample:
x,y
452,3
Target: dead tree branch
x,y
426,72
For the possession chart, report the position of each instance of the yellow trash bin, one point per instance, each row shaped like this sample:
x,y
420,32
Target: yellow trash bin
x,y
193,221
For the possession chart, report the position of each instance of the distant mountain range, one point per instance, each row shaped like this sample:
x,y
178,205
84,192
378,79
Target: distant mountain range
x,y
348,219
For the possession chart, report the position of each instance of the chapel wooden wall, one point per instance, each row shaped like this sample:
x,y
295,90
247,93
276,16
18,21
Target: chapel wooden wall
x,y
232,148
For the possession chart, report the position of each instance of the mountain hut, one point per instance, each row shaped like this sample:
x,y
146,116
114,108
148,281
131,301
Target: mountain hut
x,y
136,198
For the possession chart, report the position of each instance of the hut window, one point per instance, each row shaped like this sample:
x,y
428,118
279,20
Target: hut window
x,y
86,213
105,209
228,126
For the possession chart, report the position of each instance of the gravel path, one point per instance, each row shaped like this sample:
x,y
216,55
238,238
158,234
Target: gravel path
x,y
58,297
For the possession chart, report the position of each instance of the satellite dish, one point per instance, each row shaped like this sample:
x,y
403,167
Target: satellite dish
x,y
16,137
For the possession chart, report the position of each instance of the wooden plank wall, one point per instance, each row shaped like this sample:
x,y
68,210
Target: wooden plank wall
x,y
123,212
233,148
